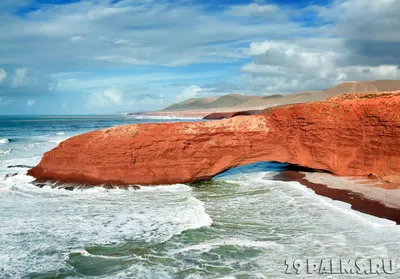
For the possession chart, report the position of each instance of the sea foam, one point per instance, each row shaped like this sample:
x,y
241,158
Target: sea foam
x,y
95,217
4,152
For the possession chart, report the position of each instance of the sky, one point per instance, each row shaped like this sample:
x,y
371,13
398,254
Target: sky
x,y
107,56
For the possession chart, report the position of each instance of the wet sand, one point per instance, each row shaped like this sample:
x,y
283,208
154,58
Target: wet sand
x,y
357,201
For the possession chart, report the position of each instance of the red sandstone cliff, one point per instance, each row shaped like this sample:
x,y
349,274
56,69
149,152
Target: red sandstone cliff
x,y
346,135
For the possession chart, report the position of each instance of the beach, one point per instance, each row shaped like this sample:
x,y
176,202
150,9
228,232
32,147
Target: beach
x,y
243,223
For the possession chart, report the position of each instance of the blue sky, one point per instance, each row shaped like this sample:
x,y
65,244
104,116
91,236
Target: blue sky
x,y
106,56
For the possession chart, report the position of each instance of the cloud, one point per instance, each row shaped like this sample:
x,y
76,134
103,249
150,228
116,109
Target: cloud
x,y
12,5
110,96
30,103
24,83
370,29
3,75
97,34
355,40
287,67
20,77
191,91
256,10
139,50
76,39
122,59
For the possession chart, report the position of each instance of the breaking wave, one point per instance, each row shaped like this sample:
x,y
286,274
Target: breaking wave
x,y
4,141
4,152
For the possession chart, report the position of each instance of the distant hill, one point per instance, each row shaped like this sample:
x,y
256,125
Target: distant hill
x,y
230,100
192,103
362,86
241,102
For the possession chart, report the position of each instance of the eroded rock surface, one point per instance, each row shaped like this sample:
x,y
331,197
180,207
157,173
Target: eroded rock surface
x,y
355,134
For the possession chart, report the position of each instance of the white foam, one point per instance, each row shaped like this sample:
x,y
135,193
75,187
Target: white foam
x,y
60,134
344,207
6,151
71,220
261,180
87,254
209,245
167,188
56,141
4,141
28,161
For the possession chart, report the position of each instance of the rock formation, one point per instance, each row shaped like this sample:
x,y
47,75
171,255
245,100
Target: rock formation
x,y
351,134
224,115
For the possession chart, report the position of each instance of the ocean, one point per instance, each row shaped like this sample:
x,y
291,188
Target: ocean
x,y
241,224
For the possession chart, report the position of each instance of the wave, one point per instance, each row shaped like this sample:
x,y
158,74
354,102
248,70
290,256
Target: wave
x,y
209,245
119,216
329,203
4,141
4,152
56,141
85,253
60,134
346,208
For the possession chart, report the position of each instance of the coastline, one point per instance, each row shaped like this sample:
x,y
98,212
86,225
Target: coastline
x,y
372,204
199,113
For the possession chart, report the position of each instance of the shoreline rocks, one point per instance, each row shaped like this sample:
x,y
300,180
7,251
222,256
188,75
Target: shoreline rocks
x,y
224,115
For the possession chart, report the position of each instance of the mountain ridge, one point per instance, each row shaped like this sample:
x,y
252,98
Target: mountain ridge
x,y
240,101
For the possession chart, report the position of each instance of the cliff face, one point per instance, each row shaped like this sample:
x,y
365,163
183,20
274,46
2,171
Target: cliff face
x,y
346,135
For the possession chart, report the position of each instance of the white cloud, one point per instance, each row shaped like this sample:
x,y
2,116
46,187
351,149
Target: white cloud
x,y
287,67
122,59
370,29
3,75
191,91
256,10
30,102
76,39
128,31
128,43
19,77
110,96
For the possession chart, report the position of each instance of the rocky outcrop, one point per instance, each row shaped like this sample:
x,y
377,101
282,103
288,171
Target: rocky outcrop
x,y
354,134
219,115
224,115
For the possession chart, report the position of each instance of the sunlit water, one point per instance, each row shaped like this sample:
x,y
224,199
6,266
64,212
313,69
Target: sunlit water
x,y
242,224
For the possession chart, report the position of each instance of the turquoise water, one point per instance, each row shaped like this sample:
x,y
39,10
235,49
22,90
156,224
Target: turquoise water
x,y
242,224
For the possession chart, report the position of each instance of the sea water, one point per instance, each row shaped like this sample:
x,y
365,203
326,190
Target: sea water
x,y
242,224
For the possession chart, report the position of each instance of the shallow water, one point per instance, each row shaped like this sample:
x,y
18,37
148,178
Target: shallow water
x,y
242,224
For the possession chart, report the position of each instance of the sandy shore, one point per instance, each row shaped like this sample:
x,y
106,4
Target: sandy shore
x,y
361,195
